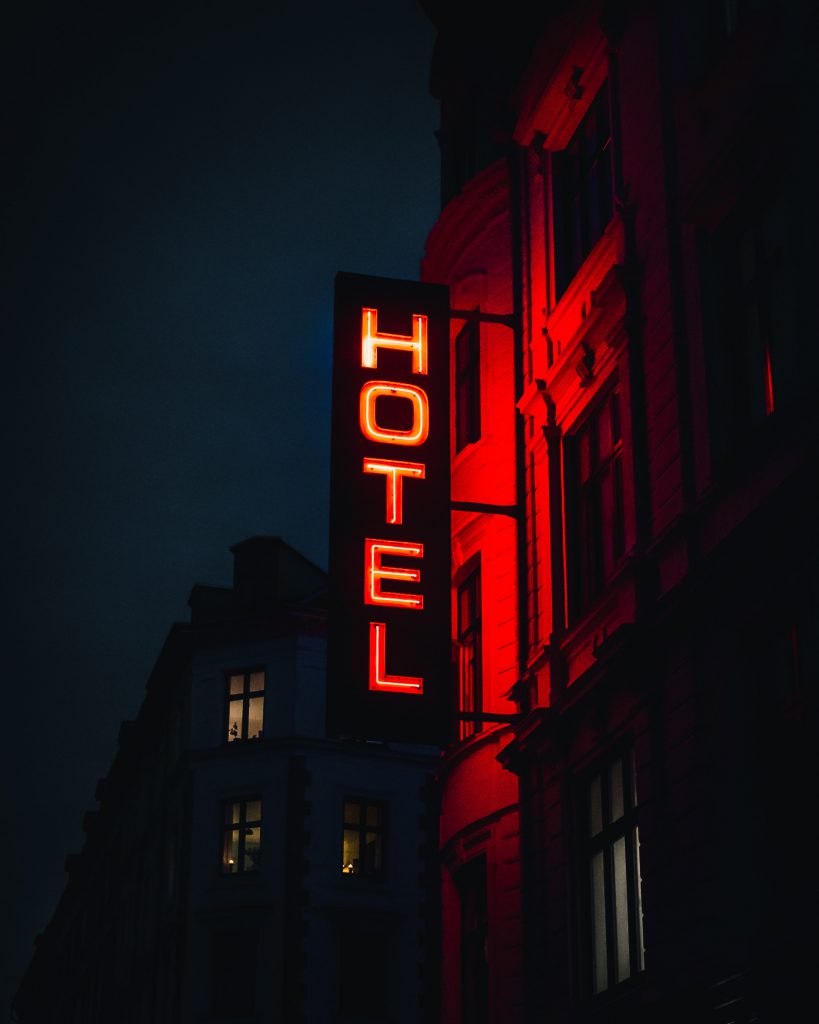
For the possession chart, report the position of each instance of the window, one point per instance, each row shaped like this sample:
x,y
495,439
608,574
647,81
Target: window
x,y
611,865
233,972
470,696
471,884
595,516
468,385
242,836
748,308
582,191
364,833
245,706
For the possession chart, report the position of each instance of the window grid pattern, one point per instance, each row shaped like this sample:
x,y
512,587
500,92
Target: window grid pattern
x,y
612,863
241,836
470,681
595,518
582,191
245,705
363,846
467,385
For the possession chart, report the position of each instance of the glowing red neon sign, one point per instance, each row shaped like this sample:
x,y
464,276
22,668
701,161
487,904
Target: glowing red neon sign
x,y
389,633
417,397
374,570
379,680
395,472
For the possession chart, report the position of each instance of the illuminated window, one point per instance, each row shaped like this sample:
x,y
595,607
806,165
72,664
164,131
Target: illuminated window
x,y
748,308
241,836
233,972
471,885
364,834
470,683
468,385
611,886
582,191
594,495
245,705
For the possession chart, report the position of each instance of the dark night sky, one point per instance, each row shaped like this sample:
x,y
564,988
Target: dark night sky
x,y
181,183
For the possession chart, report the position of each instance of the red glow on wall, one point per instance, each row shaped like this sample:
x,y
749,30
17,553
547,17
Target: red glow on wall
x,y
395,472
379,680
375,572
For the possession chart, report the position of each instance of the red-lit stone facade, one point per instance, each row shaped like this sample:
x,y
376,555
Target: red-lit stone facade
x,y
634,565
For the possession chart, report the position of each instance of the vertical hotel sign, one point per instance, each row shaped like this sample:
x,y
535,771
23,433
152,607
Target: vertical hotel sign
x,y
389,643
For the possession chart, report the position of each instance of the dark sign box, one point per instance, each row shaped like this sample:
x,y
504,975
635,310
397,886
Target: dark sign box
x,y
417,640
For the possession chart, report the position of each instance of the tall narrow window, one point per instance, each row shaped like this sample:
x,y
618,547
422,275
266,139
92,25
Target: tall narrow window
x,y
468,385
364,838
470,684
749,320
241,836
611,865
245,706
595,514
582,191
471,883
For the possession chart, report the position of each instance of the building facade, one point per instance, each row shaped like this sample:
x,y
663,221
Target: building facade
x,y
627,232
240,866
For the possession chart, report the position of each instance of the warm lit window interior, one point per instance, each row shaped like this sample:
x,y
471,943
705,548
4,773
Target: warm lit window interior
x,y
245,705
612,859
242,836
469,650
364,832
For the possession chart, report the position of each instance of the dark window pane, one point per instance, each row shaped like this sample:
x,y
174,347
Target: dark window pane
x,y
582,200
467,386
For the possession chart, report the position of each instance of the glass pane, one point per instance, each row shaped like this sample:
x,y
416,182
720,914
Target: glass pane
x,y
352,813
236,684
373,814
631,781
350,852
372,853
621,909
232,812
615,416
584,456
253,840
604,439
256,681
639,901
234,721
595,807
230,853
598,909
255,716
616,783
254,811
